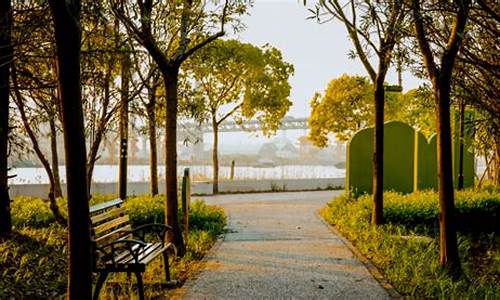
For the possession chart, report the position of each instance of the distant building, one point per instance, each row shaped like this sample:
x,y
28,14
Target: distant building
x,y
288,151
268,151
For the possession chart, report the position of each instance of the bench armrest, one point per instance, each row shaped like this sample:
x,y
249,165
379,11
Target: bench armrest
x,y
160,230
111,251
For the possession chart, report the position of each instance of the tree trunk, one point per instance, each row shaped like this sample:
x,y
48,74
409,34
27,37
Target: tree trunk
x,y
66,16
460,185
125,65
172,205
95,141
496,167
448,238
153,153
36,147
5,58
378,153
55,158
215,155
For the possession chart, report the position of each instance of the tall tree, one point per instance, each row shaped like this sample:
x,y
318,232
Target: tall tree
x,y
147,108
374,27
34,89
124,123
31,124
5,59
180,29
238,80
66,15
439,65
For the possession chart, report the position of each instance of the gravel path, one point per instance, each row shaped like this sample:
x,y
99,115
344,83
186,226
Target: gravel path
x,y
278,248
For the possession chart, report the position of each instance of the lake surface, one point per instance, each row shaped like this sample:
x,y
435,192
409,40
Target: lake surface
x,y
109,173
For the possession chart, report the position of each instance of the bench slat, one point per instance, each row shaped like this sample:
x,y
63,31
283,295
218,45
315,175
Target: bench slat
x,y
153,254
145,256
108,215
120,233
114,223
101,206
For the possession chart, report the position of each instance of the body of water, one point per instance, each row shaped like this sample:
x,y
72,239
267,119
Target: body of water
x,y
109,173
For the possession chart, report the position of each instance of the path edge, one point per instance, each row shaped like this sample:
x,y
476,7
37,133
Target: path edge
x,y
181,292
382,281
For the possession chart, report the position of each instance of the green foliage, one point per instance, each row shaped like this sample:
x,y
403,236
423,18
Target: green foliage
x,y
33,261
347,106
146,209
239,80
416,107
206,217
410,260
34,212
419,211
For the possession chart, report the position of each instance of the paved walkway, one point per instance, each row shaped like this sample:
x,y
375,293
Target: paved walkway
x,y
278,248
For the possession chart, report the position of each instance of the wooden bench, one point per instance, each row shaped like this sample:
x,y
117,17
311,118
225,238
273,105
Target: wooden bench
x,y
119,248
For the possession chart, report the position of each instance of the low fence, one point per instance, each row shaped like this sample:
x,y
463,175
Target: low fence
x,y
197,188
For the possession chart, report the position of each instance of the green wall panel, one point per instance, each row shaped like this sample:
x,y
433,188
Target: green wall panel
x,y
426,162
398,159
410,160
399,143
359,162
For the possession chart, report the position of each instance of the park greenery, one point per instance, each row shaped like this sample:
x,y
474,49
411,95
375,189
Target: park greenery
x,y
33,259
406,248
84,69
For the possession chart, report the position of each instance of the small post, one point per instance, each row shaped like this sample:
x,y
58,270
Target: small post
x,y
231,174
186,201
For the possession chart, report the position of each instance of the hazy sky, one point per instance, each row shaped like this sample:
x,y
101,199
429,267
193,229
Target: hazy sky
x,y
318,51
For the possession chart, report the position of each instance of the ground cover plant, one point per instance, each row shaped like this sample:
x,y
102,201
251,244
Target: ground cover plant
x,y
406,248
33,261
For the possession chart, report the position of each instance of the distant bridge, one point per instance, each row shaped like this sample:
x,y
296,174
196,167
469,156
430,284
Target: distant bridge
x,y
288,123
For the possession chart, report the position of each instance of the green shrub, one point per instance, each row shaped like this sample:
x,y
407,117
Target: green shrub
x,y
206,217
146,209
411,261
32,212
475,211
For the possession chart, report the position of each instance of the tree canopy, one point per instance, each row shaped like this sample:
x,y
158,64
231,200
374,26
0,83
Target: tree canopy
x,y
347,106
234,79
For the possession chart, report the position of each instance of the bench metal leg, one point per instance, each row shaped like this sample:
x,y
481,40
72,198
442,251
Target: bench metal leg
x,y
100,281
166,265
140,285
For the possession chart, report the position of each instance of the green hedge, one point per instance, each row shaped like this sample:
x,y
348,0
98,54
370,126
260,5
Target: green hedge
x,y
406,248
35,212
147,209
475,211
